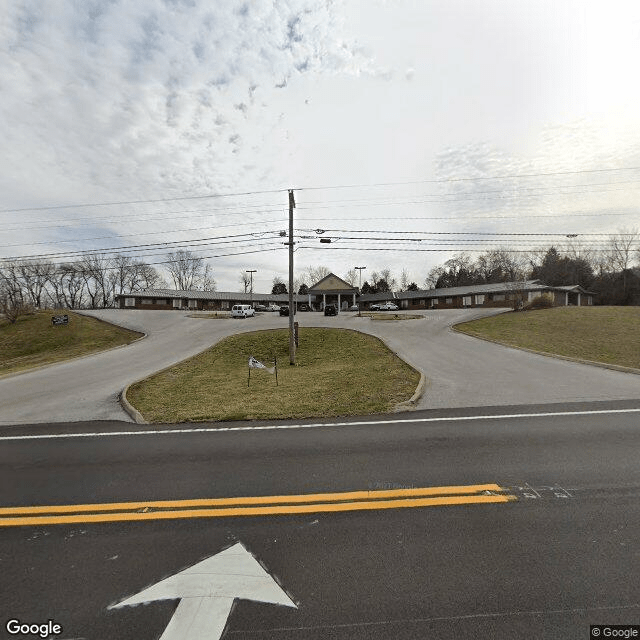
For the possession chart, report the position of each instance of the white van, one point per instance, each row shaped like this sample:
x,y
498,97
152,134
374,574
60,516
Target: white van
x,y
242,311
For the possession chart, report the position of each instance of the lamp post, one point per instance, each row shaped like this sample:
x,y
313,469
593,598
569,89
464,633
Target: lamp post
x,y
251,272
360,288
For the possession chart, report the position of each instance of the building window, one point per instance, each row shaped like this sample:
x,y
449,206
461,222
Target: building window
x,y
225,304
448,300
129,302
159,301
177,303
193,304
480,299
466,301
146,301
498,297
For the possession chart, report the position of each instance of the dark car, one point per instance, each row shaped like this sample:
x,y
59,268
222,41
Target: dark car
x,y
304,307
284,311
330,310
261,307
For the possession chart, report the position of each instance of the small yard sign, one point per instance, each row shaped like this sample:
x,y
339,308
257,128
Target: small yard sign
x,y
60,319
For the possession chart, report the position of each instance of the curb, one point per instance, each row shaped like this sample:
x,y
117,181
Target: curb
x,y
133,413
602,365
407,405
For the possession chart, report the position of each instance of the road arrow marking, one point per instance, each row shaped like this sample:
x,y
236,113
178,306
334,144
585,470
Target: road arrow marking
x,y
207,592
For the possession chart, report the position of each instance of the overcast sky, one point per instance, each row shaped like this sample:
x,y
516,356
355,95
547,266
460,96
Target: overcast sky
x,y
107,101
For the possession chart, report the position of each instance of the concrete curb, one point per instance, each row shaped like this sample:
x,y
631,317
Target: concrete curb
x,y
407,405
602,365
133,413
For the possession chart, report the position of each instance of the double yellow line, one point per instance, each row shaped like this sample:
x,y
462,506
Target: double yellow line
x,y
255,506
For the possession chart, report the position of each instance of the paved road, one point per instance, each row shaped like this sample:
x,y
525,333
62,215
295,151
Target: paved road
x,y
565,554
461,371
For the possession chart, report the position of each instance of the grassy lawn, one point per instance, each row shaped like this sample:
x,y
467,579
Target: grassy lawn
x,y
337,373
34,341
600,334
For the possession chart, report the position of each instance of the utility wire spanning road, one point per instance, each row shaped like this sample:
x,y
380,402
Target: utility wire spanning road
x,y
460,370
527,526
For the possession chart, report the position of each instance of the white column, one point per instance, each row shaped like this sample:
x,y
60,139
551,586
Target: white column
x,y
339,307
324,300
578,299
354,299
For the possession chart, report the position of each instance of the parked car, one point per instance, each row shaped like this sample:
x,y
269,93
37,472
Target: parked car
x,y
388,306
261,307
284,311
330,310
303,307
374,307
242,311
273,307
354,307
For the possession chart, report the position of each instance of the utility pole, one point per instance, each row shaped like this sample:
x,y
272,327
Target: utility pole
x,y
251,272
360,288
292,309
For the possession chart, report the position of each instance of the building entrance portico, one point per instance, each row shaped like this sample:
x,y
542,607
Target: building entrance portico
x,y
332,290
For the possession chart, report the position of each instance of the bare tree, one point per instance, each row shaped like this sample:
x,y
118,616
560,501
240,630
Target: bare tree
x,y
351,277
245,280
95,269
620,252
190,271
315,274
385,274
34,277
10,284
405,279
68,286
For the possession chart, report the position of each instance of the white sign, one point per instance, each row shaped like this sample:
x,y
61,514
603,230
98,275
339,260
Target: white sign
x,y
207,591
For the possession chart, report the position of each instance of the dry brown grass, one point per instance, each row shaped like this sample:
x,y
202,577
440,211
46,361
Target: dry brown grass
x,y
610,335
337,373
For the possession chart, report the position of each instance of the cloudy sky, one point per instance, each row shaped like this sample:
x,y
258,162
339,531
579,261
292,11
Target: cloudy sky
x,y
133,122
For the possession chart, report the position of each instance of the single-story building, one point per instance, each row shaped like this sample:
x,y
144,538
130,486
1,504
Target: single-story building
x,y
333,290
198,300
491,295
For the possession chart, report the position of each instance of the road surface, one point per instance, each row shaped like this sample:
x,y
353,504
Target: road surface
x,y
563,552
461,371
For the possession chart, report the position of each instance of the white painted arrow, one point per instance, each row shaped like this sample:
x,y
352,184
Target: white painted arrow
x,y
207,592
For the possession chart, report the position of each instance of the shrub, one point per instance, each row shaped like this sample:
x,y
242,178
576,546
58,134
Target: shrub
x,y
544,301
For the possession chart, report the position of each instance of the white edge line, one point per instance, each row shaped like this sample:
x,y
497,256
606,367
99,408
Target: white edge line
x,y
273,427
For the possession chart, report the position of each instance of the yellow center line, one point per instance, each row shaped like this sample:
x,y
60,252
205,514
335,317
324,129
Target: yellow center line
x,y
271,500
402,503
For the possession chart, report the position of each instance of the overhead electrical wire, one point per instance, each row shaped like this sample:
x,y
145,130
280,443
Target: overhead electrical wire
x,y
318,188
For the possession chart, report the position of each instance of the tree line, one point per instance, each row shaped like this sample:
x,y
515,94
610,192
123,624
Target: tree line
x,y
612,272
93,281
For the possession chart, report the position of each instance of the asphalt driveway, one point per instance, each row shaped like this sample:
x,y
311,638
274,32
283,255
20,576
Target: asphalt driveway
x,y
461,371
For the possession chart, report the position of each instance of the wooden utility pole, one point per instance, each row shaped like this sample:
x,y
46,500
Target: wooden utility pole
x,y
292,309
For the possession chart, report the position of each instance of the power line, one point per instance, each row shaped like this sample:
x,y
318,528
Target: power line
x,y
318,188
123,202
448,180
130,235
141,248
